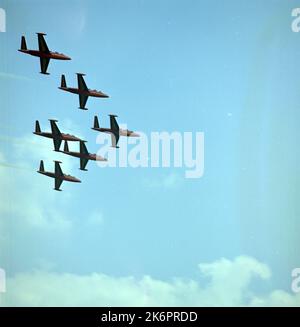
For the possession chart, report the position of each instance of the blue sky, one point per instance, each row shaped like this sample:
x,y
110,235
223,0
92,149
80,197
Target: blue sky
x,y
228,69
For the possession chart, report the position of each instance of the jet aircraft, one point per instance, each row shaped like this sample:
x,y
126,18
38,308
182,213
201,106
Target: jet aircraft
x,y
83,155
114,130
83,91
58,175
55,134
43,53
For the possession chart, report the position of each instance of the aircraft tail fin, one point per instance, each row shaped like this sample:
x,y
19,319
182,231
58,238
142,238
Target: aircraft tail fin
x,y
37,127
42,169
96,122
63,81
66,147
23,43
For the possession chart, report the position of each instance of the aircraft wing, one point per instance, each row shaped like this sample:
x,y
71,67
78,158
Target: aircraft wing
x,y
113,124
83,163
58,176
56,135
56,143
83,148
82,101
44,62
58,182
114,139
54,128
42,44
58,171
81,83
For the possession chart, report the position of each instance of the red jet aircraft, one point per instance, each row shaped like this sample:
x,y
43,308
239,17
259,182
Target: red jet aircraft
x,y
55,134
43,53
84,155
114,130
58,175
83,91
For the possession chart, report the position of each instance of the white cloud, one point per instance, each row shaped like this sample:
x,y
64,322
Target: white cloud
x,y
230,279
228,285
96,218
168,181
277,298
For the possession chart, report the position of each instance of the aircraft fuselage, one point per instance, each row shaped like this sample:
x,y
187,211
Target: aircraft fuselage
x,y
90,93
89,156
50,55
122,132
80,155
67,178
65,137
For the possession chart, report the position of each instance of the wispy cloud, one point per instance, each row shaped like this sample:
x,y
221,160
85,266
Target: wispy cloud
x,y
8,165
15,77
96,218
168,181
35,208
